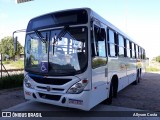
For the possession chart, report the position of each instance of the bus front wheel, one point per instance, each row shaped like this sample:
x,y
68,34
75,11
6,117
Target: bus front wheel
x,y
108,101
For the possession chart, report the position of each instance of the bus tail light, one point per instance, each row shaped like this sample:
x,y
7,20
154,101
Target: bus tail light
x,y
78,87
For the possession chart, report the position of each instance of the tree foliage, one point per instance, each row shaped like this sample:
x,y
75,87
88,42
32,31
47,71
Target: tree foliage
x,y
7,47
158,58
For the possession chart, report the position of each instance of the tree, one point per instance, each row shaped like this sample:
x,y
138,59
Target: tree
x,y
158,58
7,47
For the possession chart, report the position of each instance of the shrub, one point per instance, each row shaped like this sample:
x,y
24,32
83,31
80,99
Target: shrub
x,y
12,81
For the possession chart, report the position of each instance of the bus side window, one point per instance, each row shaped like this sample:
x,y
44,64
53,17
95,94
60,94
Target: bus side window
x,y
137,52
111,43
141,53
133,51
130,44
128,48
144,54
120,46
98,45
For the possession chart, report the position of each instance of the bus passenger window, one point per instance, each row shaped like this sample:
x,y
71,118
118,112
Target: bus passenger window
x,y
111,43
144,54
120,46
130,44
128,48
137,51
98,45
141,53
133,51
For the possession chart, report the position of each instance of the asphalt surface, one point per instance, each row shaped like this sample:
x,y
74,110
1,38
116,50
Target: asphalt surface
x,y
100,112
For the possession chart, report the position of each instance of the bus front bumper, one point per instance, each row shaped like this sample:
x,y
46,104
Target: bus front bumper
x,y
79,101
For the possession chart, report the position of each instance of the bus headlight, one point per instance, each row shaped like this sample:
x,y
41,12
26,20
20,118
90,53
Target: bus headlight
x,y
27,82
78,87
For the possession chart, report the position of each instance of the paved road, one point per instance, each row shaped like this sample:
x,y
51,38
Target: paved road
x,y
144,96
99,109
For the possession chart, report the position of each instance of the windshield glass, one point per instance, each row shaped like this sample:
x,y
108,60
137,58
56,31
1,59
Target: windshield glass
x,y
55,55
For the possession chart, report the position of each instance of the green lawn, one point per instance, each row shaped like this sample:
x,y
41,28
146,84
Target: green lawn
x,y
14,80
152,69
14,64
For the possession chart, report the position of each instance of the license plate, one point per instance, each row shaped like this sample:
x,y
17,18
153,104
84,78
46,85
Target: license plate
x,y
77,102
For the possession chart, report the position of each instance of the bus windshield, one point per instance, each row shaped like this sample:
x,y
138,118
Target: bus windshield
x,y
53,55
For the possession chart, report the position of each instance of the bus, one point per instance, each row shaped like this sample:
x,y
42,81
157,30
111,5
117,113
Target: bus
x,y
75,58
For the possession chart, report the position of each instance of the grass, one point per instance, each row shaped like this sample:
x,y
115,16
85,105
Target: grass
x,y
16,64
15,80
11,82
152,69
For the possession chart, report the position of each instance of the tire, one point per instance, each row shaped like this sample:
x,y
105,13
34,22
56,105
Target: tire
x,y
108,101
137,79
114,89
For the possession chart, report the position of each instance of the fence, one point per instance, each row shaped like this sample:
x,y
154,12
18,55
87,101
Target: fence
x,y
10,78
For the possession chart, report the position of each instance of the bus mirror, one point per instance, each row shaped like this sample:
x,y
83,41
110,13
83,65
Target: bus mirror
x,y
15,43
15,38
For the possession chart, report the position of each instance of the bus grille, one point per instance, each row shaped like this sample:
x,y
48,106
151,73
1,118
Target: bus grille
x,y
50,81
55,89
50,97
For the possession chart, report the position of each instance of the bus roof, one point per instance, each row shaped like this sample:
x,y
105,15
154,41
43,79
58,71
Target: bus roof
x,y
93,14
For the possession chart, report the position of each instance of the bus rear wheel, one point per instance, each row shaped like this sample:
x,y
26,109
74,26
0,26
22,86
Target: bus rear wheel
x,y
137,79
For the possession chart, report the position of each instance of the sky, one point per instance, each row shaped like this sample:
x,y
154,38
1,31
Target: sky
x,y
139,19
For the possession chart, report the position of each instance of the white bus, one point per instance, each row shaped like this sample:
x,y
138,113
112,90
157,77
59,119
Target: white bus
x,y
75,58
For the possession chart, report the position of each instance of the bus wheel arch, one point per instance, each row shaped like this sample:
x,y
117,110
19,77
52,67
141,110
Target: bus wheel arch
x,y
137,78
113,90
140,73
115,85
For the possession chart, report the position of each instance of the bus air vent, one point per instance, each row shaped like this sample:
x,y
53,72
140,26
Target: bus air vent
x,y
50,97
50,81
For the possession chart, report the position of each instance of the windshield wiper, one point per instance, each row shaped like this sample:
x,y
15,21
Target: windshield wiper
x,y
44,40
62,33
59,36
40,36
